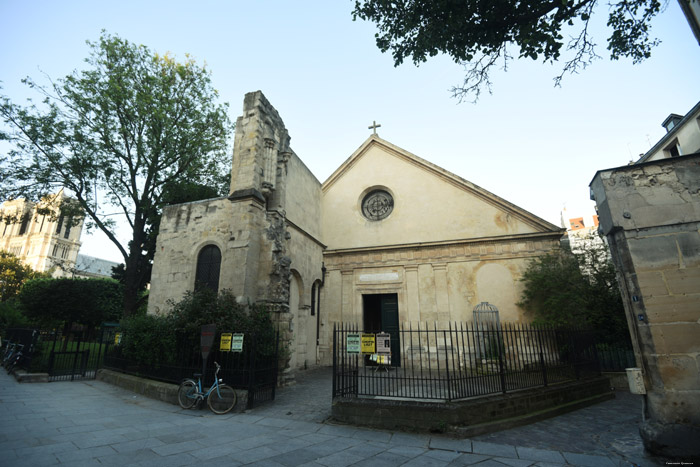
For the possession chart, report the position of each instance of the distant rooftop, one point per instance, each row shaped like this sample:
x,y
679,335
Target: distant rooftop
x,y
96,267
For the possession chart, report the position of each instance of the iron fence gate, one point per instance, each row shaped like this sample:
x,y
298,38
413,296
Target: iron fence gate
x,y
65,354
464,361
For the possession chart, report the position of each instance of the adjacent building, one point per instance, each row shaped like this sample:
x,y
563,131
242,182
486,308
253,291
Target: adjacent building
x,y
650,215
46,242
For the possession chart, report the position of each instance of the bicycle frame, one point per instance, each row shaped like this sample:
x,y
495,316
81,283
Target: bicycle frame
x,y
201,395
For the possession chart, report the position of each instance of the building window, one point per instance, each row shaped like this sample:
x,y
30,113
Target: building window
x,y
68,225
377,205
673,149
60,224
25,223
208,269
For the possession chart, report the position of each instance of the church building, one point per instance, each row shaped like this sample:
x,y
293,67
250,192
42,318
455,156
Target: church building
x,y
388,240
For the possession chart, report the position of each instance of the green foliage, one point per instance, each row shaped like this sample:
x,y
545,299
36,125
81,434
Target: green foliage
x,y
13,274
205,307
576,289
478,34
116,135
154,339
149,339
51,302
11,316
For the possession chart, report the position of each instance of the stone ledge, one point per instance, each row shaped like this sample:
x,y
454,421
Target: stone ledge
x,y
165,392
157,390
473,416
23,377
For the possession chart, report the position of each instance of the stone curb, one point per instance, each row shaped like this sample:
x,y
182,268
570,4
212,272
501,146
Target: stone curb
x,y
165,392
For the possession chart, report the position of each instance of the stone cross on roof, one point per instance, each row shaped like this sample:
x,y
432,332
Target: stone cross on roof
x,y
374,126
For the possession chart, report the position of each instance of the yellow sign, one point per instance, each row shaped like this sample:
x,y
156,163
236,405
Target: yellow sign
x,y
225,345
117,338
368,343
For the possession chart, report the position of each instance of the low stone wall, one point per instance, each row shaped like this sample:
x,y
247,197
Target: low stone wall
x,y
618,380
473,416
23,377
165,392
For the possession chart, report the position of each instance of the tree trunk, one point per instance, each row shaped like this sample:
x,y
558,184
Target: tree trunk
x,y
134,268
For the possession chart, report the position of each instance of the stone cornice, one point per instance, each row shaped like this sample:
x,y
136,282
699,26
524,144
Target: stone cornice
x,y
249,193
408,255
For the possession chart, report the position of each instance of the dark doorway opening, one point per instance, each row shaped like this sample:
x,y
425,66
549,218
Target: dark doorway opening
x,y
380,313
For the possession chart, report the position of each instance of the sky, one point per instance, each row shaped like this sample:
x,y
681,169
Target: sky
x,y
536,145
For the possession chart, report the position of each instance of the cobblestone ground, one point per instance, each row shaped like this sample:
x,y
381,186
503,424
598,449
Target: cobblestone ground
x,y
93,423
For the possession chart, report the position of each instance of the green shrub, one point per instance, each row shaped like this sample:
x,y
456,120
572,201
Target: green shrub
x,y
149,340
51,302
11,316
205,307
157,339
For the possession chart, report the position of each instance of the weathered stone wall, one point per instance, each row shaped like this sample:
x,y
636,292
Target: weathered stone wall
x,y
187,228
267,229
650,214
434,283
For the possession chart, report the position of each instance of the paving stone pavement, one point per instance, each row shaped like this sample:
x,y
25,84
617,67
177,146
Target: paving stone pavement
x,y
93,423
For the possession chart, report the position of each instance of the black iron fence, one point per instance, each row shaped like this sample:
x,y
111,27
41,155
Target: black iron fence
x,y
254,368
69,353
614,358
459,362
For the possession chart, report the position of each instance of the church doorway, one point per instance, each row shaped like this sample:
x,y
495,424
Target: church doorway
x,y
380,313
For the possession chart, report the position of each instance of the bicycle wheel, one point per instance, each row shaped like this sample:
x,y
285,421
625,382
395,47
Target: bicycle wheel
x,y
186,394
222,399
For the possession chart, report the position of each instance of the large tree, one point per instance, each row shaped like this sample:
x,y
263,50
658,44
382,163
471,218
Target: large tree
x,y
483,34
115,135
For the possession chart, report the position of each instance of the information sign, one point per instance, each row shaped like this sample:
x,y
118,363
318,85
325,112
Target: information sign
x,y
383,343
207,339
352,343
237,343
368,343
225,344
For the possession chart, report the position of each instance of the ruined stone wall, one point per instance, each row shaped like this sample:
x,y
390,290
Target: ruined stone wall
x,y
650,214
187,228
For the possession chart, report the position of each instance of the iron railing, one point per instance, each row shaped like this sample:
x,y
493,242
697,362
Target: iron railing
x,y
65,354
255,368
464,361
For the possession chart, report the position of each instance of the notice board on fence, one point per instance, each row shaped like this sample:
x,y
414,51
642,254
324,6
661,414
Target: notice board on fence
x,y
237,342
383,343
225,344
368,343
352,343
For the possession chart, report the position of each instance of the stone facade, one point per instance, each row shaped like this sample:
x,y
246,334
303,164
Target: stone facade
x,y
433,243
43,242
650,213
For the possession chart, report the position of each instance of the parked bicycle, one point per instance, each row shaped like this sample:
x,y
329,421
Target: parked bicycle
x,y
11,358
15,359
220,397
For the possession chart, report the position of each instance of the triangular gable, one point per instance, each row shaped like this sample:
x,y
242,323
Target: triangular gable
x,y
527,217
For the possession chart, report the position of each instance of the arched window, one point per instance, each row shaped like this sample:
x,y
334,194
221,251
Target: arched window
x,y
208,268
